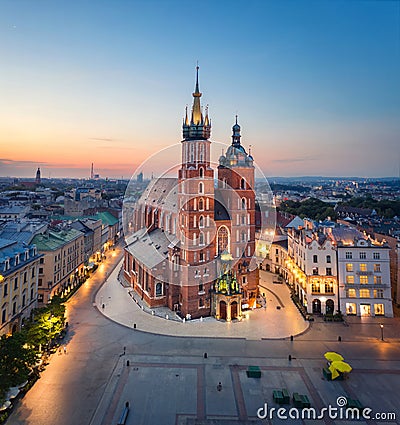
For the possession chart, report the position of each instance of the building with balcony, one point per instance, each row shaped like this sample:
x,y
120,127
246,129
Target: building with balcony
x,y
311,270
364,273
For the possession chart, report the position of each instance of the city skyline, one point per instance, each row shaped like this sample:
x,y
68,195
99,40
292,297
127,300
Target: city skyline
x,y
315,84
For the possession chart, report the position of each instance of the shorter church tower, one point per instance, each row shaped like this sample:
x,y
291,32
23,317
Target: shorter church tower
x,y
236,174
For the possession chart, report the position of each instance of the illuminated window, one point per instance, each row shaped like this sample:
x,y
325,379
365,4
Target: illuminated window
x,y
364,279
315,288
350,279
378,293
349,267
351,293
364,293
379,309
351,308
329,288
363,267
377,267
378,280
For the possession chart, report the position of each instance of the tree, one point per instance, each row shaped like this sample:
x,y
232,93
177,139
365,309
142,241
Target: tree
x,y
16,361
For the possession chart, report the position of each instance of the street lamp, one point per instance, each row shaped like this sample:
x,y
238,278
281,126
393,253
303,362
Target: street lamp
x,y
381,331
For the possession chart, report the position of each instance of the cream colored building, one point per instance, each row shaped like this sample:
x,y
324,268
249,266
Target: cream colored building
x,y
62,264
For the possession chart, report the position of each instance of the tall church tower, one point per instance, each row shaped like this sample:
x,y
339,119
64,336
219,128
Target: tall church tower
x,y
38,179
196,210
236,187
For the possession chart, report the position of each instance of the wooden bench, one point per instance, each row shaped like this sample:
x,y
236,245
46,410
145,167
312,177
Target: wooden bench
x,y
300,400
278,396
286,396
327,374
305,401
253,372
297,401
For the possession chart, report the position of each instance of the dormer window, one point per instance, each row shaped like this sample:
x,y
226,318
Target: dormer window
x,y
16,260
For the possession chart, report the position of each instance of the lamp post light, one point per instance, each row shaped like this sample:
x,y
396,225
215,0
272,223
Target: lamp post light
x,y
381,332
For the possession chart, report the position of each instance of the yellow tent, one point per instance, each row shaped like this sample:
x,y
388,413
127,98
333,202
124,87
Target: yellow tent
x,y
339,366
331,356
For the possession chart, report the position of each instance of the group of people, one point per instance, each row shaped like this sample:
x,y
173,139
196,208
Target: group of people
x,y
64,348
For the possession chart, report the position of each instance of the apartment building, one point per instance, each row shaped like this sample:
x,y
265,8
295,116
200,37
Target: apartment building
x,y
19,265
62,263
311,270
364,273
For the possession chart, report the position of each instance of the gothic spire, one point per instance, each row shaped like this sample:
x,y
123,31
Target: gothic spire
x,y
198,128
197,116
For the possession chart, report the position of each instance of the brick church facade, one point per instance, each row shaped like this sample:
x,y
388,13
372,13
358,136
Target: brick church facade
x,y
192,238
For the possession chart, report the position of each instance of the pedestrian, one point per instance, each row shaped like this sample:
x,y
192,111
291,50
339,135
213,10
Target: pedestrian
x,y
219,386
65,349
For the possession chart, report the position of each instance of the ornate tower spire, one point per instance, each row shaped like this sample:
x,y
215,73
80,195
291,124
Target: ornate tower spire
x,y
236,134
197,116
198,128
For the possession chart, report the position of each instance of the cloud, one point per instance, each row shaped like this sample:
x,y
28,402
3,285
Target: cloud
x,y
294,160
5,162
101,139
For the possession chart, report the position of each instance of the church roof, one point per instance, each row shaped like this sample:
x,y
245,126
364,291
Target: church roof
x,y
149,248
162,192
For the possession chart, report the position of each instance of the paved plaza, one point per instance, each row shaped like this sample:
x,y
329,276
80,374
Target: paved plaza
x,y
186,388
268,322
161,369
